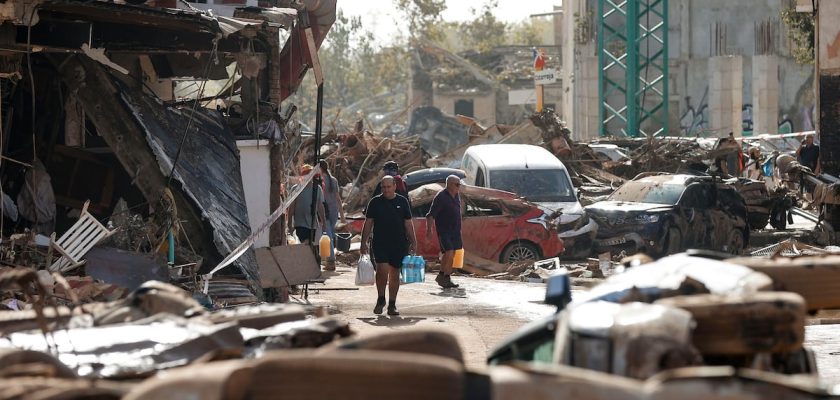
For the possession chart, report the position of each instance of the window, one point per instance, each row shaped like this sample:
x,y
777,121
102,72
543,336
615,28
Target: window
x,y
648,192
479,207
538,185
479,178
464,107
421,210
698,196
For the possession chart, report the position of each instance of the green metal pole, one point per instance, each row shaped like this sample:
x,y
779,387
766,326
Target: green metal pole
x,y
632,72
602,99
665,93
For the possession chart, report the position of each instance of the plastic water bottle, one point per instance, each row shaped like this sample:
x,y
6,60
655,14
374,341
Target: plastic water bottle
x,y
420,268
324,246
405,270
412,270
458,261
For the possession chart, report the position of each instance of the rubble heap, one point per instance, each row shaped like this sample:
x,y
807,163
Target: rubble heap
x,y
356,158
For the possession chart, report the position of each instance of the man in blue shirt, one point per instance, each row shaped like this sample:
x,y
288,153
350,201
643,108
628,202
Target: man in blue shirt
x,y
446,213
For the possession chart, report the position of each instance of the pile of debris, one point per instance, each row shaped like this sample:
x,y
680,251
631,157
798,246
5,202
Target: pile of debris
x,y
51,333
356,158
585,274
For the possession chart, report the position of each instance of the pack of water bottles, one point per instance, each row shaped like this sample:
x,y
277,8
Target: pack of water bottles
x,y
413,269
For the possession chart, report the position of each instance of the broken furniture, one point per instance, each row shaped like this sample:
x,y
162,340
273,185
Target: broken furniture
x,y
75,243
284,266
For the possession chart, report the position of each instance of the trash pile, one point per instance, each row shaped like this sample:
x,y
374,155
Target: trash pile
x,y
585,274
356,159
58,330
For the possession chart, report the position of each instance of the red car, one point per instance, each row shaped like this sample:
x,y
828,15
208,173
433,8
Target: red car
x,y
496,225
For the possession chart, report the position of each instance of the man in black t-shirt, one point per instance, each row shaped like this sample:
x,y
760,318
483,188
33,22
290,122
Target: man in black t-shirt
x,y
389,217
809,154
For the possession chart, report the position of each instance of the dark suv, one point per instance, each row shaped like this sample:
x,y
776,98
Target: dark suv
x,y
666,214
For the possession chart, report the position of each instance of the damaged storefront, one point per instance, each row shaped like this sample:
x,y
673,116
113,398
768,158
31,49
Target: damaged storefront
x,y
130,114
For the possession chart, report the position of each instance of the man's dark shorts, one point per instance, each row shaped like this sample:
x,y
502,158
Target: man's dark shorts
x,y
391,255
450,241
304,234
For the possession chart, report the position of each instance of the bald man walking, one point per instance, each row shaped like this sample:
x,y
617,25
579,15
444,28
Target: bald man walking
x,y
446,213
389,217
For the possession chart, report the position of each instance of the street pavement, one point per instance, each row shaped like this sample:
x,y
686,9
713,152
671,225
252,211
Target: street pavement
x,y
482,312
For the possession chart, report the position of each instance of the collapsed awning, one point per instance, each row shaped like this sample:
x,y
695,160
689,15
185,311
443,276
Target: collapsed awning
x,y
147,136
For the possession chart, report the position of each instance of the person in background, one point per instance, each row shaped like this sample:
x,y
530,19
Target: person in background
x,y
300,218
808,154
334,208
753,169
391,168
389,217
446,214
729,159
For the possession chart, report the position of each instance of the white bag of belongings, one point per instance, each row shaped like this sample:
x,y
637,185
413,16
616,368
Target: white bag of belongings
x,y
365,274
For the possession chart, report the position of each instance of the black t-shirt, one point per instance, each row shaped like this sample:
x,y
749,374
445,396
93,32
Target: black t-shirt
x,y
389,218
808,156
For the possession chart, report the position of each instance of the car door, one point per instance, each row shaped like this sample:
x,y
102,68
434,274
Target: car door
x,y
695,206
729,217
486,227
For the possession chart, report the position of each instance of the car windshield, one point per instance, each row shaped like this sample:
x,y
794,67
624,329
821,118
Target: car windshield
x,y
648,192
537,185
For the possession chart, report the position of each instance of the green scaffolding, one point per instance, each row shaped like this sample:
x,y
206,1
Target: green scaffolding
x,y
633,67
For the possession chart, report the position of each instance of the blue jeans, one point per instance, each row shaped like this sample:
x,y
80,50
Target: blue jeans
x,y
330,229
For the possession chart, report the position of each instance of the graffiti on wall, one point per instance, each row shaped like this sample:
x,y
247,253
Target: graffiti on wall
x,y
695,119
785,124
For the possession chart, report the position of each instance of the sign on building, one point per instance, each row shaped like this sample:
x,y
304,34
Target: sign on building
x,y
545,77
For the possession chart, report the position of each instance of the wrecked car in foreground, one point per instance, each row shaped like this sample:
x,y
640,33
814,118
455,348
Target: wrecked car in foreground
x,y
679,315
665,214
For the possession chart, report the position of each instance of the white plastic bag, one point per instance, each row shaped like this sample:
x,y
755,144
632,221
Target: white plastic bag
x,y
365,274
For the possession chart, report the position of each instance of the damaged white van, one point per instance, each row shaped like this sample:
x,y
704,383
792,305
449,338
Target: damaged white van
x,y
537,175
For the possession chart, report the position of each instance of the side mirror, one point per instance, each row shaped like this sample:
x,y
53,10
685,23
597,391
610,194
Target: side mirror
x,y
558,290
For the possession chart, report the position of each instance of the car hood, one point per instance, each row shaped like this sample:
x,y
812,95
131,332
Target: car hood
x,y
607,207
570,211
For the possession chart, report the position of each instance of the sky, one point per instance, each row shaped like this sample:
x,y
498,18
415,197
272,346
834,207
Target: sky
x,y
381,15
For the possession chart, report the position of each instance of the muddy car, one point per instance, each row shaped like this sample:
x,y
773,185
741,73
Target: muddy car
x,y
757,198
665,214
496,225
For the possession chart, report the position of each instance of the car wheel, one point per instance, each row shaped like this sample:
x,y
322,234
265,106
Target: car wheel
x,y
758,220
519,251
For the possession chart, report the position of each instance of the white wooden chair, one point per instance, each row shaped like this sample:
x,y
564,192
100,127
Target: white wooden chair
x,y
77,241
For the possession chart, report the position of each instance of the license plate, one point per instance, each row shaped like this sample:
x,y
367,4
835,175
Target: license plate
x,y
615,242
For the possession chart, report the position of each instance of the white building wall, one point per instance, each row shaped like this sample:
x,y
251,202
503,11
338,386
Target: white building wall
x,y
256,181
